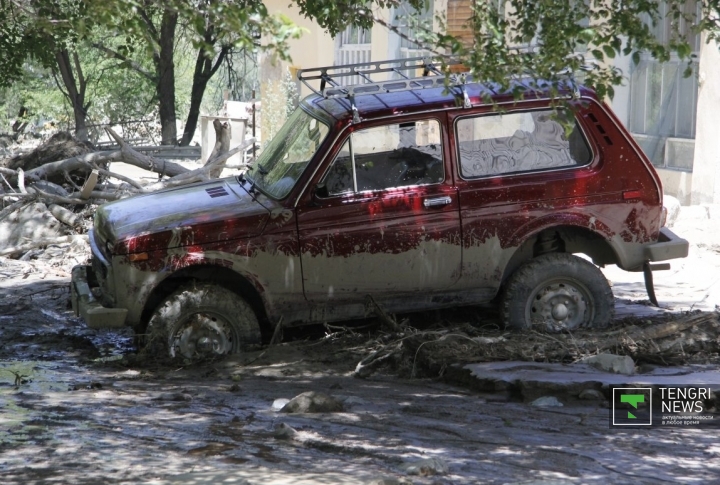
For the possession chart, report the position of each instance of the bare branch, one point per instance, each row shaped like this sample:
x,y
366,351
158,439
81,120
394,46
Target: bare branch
x,y
153,164
133,65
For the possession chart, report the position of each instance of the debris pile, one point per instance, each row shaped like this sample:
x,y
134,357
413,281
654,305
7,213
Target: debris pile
x,y
671,339
50,194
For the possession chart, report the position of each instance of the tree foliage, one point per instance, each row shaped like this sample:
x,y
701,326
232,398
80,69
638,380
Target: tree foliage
x,y
547,39
141,36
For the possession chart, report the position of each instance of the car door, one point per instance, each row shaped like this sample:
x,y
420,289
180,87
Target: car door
x,y
515,167
384,219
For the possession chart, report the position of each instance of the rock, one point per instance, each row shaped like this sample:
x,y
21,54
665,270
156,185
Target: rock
x,y
354,401
313,402
389,481
591,395
672,205
278,404
618,364
714,211
174,396
29,223
693,212
546,402
282,431
426,467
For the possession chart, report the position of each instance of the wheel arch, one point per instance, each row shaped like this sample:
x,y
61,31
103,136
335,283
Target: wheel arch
x,y
220,275
565,238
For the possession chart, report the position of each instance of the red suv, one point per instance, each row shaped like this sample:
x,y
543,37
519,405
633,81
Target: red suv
x,y
410,193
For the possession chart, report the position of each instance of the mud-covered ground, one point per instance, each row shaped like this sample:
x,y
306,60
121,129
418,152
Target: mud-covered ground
x,y
77,407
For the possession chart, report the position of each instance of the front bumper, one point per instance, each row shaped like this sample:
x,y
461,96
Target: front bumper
x,y
86,306
669,246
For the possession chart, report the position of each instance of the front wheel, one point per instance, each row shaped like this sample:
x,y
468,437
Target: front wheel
x,y
556,292
202,320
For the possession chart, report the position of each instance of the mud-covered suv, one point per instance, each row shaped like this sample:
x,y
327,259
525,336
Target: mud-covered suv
x,y
403,193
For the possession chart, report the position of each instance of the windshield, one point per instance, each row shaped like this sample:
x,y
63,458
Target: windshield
x,y
283,161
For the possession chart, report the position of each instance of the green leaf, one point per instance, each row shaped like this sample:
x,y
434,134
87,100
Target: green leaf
x,y
684,50
597,54
609,51
636,58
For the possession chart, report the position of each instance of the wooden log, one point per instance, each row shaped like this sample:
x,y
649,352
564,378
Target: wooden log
x,y
69,165
199,174
222,145
66,216
146,162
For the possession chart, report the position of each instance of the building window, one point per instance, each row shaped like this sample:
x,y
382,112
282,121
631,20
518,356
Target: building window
x,y
409,30
663,101
353,46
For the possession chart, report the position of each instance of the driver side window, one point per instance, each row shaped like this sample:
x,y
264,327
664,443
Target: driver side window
x,y
395,155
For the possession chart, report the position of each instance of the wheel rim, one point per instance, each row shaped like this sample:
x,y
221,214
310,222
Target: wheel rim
x,y
560,304
202,334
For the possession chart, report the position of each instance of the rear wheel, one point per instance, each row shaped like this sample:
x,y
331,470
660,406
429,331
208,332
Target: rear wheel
x,y
202,320
556,292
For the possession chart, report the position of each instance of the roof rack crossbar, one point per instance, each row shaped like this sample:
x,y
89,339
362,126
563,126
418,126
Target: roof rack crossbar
x,y
331,85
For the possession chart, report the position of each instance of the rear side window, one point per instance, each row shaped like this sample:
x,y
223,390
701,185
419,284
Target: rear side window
x,y
509,143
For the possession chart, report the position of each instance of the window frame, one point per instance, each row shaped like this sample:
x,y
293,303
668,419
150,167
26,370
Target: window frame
x,y
354,192
592,153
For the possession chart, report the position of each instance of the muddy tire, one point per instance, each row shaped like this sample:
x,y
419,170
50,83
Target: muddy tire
x,y
556,292
201,321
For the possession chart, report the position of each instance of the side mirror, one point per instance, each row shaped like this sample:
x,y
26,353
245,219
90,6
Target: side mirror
x,y
321,190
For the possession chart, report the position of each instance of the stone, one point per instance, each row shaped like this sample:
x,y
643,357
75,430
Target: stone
x,y
547,402
591,395
351,401
714,211
693,212
283,431
672,205
617,364
426,467
313,402
278,404
389,481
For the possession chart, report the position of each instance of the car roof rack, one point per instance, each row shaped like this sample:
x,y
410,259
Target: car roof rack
x,y
434,76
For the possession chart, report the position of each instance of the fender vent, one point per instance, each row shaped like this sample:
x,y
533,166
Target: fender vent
x,y
217,192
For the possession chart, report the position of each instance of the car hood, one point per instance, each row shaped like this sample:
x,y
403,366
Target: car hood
x,y
190,215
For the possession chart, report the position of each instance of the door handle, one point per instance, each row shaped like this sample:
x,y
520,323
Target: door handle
x,y
438,201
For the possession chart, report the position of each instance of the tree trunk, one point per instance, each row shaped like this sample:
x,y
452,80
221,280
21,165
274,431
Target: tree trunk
x,y
204,71
20,123
165,67
222,145
75,89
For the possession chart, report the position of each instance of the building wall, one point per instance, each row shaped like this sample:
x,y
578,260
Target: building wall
x,y
706,165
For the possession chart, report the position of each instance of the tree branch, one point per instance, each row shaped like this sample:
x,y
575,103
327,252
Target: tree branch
x,y
133,65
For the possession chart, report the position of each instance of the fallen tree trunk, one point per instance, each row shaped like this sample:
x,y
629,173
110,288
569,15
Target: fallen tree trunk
x,y
82,163
65,216
157,165
198,175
